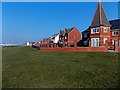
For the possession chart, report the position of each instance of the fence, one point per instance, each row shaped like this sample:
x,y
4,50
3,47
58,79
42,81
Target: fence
x,y
104,47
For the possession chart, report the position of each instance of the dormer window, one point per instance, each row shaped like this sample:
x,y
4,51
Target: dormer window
x,y
95,30
115,33
105,30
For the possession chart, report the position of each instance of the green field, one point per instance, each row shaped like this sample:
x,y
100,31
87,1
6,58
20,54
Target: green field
x,y
26,67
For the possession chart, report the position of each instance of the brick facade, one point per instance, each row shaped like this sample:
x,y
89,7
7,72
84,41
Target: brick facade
x,y
102,35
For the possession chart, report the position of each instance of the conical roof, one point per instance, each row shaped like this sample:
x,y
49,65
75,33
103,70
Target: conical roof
x,y
100,18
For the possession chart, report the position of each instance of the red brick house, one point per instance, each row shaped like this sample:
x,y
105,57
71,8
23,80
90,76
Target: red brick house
x,y
100,27
45,42
69,36
115,31
102,35
101,30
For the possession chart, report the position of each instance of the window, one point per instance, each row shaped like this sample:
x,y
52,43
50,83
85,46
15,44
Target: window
x,y
105,30
95,30
95,42
105,39
85,42
85,35
113,42
65,37
66,43
119,43
115,33
74,37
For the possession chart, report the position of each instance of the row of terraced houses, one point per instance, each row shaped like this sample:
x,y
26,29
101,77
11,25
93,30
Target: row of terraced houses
x,y
101,35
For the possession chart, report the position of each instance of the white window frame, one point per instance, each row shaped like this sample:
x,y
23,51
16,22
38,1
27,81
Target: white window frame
x,y
95,30
65,37
94,44
119,43
113,42
113,33
105,39
105,30
66,43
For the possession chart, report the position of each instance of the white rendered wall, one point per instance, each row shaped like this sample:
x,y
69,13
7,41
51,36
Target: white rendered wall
x,y
56,39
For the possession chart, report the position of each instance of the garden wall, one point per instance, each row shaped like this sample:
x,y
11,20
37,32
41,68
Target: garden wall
x,y
76,49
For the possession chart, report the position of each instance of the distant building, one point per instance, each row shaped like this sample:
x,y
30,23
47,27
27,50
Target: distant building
x,y
55,38
69,36
29,43
45,42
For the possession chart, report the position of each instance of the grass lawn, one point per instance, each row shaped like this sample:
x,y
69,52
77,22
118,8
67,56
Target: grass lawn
x,y
26,67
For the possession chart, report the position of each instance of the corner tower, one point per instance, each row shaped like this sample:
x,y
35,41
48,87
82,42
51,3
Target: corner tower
x,y
100,27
